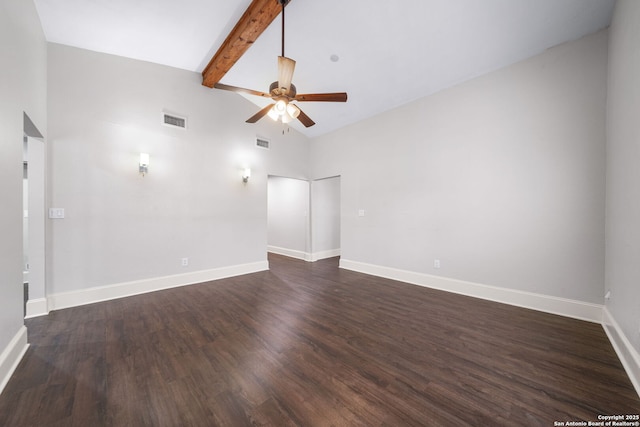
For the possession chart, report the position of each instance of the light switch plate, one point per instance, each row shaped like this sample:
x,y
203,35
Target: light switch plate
x,y
56,213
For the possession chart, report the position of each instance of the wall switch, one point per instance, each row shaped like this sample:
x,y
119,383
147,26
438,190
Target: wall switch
x,y
56,213
360,212
436,263
607,296
185,262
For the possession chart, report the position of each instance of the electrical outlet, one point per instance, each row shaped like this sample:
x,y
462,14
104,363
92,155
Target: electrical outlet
x,y
436,263
185,262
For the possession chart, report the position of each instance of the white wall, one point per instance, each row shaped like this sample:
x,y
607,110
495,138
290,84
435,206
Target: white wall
x,y
623,172
501,178
325,217
288,216
120,226
23,83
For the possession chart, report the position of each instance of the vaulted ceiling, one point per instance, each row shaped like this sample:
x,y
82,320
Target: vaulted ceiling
x,y
383,53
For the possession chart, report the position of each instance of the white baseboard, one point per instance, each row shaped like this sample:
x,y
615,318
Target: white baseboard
x,y
627,354
316,256
305,256
36,307
120,290
12,355
546,303
291,253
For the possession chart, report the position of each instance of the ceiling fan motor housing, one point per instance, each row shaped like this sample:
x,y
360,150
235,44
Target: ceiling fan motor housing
x,y
275,90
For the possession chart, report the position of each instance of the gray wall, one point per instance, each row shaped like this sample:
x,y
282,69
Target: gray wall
x,y
23,83
120,226
502,178
623,170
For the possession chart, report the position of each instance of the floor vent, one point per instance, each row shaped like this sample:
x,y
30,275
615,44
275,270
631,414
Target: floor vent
x,y
174,121
262,143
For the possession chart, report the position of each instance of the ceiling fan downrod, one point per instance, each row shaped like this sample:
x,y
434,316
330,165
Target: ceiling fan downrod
x,y
283,3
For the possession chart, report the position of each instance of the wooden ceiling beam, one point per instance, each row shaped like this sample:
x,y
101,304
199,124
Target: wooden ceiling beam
x,y
253,22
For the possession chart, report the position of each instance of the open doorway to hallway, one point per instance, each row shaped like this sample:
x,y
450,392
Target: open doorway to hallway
x,y
304,217
33,164
288,222
325,218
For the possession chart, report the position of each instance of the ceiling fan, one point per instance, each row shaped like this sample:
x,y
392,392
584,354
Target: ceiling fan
x,y
284,93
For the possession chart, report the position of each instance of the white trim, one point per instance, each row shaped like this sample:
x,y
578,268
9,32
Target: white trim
x,y
627,354
119,290
12,355
36,307
549,304
291,253
305,256
316,256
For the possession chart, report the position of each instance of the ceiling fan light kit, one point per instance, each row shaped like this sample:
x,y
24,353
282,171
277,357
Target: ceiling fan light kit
x,y
283,92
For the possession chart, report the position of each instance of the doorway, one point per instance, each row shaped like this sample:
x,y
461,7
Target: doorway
x,y
33,165
304,217
288,226
325,218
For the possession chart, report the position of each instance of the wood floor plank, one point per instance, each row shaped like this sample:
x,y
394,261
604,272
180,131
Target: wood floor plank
x,y
308,344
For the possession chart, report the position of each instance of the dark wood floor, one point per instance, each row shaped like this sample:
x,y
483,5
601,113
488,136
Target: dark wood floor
x,y
307,344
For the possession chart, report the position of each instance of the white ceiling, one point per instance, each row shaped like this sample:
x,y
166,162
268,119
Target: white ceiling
x,y
391,52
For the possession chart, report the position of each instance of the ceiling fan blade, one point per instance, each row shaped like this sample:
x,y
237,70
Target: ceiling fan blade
x,y
322,97
286,66
305,120
241,90
260,114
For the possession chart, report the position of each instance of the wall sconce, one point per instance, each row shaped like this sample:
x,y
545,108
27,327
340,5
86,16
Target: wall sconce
x,y
246,174
144,164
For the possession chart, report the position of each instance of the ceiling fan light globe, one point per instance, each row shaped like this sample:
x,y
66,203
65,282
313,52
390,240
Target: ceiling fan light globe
x,y
280,107
273,114
286,118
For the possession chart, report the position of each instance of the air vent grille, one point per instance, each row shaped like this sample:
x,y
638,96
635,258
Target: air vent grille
x,y
174,121
262,143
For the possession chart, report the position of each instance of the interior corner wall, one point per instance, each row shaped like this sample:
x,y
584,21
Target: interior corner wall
x,y
121,227
501,178
623,173
23,82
